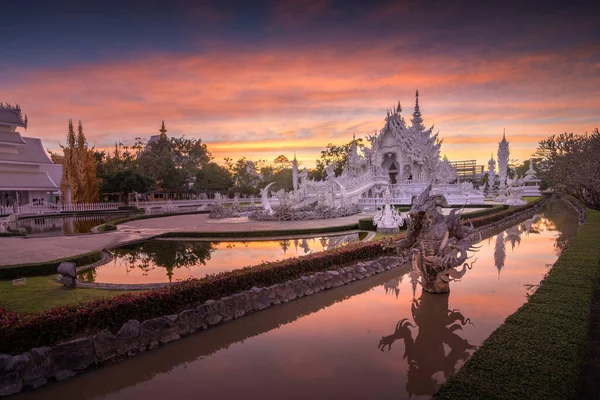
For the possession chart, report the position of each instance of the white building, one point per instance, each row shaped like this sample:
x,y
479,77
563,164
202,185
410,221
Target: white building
x,y
27,174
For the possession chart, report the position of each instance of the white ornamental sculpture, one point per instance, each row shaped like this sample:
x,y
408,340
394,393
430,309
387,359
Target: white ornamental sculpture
x,y
388,220
503,154
264,199
515,194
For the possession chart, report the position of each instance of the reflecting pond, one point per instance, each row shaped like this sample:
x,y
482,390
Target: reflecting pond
x,y
173,260
62,225
378,338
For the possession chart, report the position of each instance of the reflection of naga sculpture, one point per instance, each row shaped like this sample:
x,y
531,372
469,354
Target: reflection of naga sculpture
x,y
426,355
438,243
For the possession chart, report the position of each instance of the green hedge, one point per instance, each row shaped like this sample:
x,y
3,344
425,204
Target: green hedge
x,y
109,226
11,234
480,213
46,268
366,224
327,229
539,350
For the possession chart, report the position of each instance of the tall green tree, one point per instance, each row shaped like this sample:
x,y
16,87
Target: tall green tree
x,y
213,178
570,163
126,182
334,154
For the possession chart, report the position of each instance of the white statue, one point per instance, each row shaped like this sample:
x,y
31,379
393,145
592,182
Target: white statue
x,y
264,199
388,219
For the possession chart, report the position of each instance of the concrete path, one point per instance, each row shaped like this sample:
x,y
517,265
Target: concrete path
x,y
21,250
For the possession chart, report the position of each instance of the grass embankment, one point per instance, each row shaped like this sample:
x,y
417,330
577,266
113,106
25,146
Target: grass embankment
x,y
539,350
529,199
46,268
43,292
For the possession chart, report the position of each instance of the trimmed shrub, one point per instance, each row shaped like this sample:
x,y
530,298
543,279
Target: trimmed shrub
x,y
366,224
106,227
11,234
46,268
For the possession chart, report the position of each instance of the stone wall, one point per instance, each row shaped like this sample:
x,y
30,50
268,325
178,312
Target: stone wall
x,y
41,365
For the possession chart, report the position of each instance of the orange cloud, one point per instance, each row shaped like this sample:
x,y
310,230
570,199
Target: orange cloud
x,y
262,104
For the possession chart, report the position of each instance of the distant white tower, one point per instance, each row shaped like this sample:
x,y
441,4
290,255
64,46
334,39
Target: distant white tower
x,y
491,174
503,153
295,173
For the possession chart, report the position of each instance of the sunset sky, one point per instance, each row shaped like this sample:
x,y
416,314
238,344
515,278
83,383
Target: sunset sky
x,y
263,78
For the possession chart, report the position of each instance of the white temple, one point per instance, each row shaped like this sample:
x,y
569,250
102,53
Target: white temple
x,y
403,159
27,173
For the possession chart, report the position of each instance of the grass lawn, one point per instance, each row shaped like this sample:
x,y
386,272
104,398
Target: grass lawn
x,y
529,199
43,292
539,351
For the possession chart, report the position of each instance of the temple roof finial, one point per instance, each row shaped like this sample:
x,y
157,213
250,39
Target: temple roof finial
x,y
417,120
504,134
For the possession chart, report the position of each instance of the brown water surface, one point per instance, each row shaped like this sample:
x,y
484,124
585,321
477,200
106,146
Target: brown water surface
x,y
379,338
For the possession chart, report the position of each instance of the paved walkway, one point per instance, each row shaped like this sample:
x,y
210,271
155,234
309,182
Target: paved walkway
x,y
21,250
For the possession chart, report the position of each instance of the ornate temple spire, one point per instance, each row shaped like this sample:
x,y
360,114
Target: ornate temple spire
x,y
399,108
295,173
417,119
503,154
163,130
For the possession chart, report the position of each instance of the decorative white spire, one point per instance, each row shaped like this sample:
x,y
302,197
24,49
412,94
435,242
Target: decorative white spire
x,y
295,172
503,154
417,120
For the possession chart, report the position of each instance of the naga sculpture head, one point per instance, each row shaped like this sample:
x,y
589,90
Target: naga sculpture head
x,y
425,202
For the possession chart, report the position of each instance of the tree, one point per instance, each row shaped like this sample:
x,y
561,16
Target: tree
x,y
245,176
126,182
79,168
157,162
333,154
189,156
213,178
570,163
281,162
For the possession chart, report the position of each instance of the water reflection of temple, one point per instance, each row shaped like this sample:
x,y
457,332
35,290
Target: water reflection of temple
x,y
393,285
437,327
499,252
